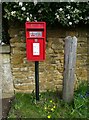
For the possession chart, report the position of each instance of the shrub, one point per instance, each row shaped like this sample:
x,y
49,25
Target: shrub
x,y
65,13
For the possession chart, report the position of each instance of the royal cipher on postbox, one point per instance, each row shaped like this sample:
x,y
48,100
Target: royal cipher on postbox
x,y
35,40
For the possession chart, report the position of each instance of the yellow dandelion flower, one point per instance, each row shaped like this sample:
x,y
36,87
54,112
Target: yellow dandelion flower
x,y
54,106
45,108
52,109
48,116
51,101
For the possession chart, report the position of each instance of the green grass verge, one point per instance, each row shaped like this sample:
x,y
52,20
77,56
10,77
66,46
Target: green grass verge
x,y
51,105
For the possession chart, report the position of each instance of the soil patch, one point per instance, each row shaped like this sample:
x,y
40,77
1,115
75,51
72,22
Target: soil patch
x,y
6,105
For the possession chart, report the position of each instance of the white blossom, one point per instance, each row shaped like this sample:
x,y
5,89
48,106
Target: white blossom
x,y
28,19
6,10
77,21
34,18
68,6
55,13
57,16
76,10
30,15
68,17
27,13
81,18
60,9
2,43
23,8
39,11
13,13
88,17
70,23
62,14
20,3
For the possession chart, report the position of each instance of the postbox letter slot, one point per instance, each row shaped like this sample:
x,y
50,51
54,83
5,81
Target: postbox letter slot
x,y
35,34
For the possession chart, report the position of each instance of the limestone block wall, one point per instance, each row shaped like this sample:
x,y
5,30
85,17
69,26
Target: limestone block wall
x,y
6,80
51,70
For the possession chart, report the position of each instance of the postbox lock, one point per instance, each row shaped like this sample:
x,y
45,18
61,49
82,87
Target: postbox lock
x,y
36,40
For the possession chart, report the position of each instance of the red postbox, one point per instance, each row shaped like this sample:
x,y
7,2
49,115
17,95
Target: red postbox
x,y
35,40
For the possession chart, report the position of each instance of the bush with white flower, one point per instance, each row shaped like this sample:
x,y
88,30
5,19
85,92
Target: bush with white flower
x,y
65,13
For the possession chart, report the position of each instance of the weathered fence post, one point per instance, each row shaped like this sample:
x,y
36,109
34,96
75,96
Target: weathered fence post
x,y
69,68
0,62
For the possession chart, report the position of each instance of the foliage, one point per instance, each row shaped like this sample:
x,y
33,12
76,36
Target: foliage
x,y
5,35
65,13
51,105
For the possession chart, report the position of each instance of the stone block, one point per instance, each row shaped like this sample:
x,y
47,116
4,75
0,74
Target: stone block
x,y
82,40
7,80
49,43
24,86
1,59
81,57
72,33
81,62
58,87
16,69
49,86
6,58
81,72
24,91
5,49
82,33
50,50
24,81
25,61
60,69
24,69
58,82
57,46
13,32
17,59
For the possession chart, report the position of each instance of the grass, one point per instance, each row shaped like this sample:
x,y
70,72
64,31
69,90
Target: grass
x,y
51,105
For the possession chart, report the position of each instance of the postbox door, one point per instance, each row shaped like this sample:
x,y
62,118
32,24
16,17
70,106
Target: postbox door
x,y
35,50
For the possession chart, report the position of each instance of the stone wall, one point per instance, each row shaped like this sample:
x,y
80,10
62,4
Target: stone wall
x,y
51,70
6,81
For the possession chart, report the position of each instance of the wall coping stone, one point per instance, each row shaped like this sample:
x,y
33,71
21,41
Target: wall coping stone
x,y
5,49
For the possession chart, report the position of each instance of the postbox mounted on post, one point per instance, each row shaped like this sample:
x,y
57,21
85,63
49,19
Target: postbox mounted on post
x,y
35,40
35,47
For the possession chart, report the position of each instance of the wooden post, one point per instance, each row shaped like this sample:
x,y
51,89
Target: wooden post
x,y
69,68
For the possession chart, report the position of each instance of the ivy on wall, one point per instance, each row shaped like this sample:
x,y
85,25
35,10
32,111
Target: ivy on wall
x,y
65,13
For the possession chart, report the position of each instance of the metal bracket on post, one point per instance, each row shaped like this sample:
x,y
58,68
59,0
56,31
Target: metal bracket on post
x,y
37,80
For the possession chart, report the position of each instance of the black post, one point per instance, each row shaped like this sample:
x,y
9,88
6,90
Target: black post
x,y
37,79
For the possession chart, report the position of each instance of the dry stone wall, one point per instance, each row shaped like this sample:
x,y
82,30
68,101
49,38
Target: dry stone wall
x,y
51,70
